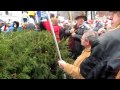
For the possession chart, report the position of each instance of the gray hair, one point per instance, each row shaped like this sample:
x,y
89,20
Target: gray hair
x,y
92,36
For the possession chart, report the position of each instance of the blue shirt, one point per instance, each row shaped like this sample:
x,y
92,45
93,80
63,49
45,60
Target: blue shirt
x,y
39,13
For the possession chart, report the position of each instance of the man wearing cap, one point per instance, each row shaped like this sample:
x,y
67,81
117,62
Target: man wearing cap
x,y
75,34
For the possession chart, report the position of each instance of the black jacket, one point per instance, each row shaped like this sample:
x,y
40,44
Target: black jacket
x,y
75,45
104,61
63,33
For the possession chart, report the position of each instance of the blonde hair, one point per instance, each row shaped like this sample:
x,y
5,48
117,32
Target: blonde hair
x,y
54,21
24,25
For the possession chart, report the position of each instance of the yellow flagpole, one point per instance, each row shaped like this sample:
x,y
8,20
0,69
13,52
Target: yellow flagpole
x,y
71,19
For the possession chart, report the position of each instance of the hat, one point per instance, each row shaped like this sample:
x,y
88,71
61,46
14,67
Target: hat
x,y
82,15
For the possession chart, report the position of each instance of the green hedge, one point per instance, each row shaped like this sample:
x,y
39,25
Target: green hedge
x,y
31,55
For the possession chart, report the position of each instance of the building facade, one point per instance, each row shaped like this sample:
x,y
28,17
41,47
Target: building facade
x,y
11,13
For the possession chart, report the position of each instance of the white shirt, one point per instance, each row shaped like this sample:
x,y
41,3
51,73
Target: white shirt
x,y
61,18
25,15
31,21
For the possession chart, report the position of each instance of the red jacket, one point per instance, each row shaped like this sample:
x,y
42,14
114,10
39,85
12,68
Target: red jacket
x,y
5,28
57,31
46,24
56,28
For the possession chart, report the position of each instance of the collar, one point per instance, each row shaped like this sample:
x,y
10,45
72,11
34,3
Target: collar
x,y
87,49
116,28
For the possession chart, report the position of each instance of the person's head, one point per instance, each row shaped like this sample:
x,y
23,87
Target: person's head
x,y
66,25
16,24
54,21
115,18
52,15
80,19
88,38
24,25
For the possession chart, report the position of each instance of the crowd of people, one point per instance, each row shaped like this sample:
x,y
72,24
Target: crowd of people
x,y
100,58
93,44
30,20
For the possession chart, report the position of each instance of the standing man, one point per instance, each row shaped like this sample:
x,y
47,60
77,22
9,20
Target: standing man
x,y
87,40
75,34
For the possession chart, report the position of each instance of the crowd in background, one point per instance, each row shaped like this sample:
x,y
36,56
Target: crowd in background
x,y
73,30
100,56
76,32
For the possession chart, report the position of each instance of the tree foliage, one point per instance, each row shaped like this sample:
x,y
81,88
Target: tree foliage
x,y
31,55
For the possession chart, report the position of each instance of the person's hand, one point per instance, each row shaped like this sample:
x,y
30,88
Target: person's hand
x,y
101,31
62,64
72,30
73,34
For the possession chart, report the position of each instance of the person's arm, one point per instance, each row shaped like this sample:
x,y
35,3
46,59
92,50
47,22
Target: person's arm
x,y
69,32
77,36
70,69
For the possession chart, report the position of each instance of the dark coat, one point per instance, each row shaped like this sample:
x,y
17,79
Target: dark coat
x,y
30,26
104,61
63,33
75,42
